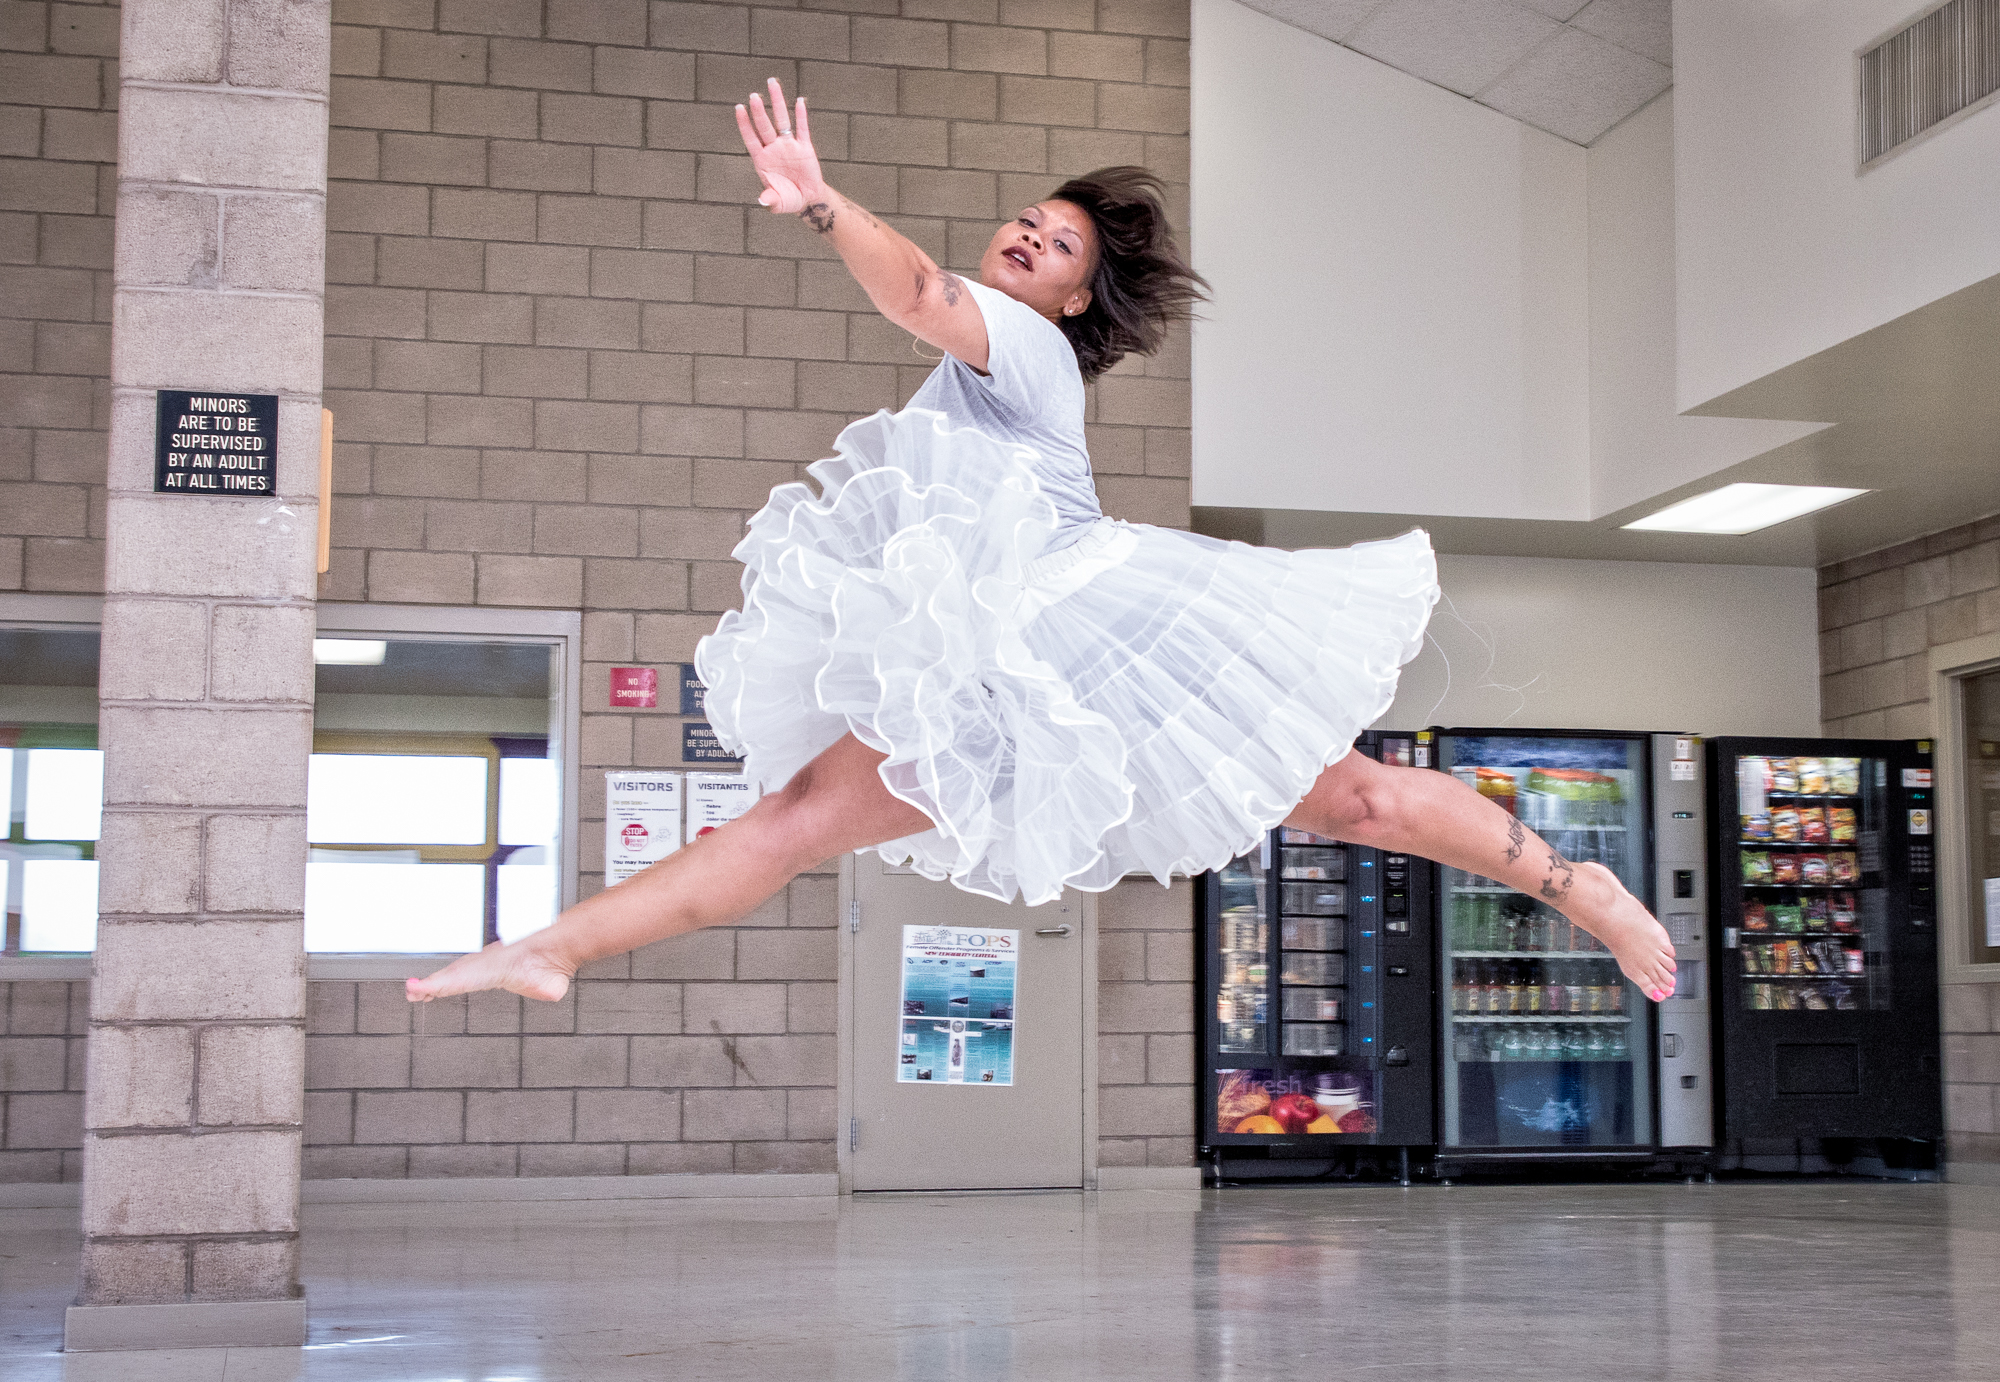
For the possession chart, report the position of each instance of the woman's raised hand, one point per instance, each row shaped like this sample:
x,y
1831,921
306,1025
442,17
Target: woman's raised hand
x,y
783,156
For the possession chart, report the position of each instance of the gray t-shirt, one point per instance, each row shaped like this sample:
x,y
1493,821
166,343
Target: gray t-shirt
x,y
1032,394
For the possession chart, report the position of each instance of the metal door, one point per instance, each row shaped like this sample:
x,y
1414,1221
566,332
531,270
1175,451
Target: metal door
x,y
936,1135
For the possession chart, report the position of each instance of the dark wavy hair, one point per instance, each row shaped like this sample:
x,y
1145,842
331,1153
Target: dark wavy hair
x,y
1141,286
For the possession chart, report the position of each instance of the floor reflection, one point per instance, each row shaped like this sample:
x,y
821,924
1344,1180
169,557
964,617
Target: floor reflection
x,y
1821,1281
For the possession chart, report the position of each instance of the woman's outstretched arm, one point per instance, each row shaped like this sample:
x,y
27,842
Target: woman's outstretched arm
x,y
903,282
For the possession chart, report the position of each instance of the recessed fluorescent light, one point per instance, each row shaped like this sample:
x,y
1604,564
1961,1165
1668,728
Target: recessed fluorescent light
x,y
349,652
1743,508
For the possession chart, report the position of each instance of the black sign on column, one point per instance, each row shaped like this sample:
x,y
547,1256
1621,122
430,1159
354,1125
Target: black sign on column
x,y
217,444
699,744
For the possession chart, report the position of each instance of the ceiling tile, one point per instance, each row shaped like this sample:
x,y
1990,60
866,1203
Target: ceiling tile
x,y
1644,26
1577,86
1556,9
1460,44
1333,19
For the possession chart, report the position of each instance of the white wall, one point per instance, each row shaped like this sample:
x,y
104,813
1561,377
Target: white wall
x,y
1551,644
1399,322
1638,446
1783,248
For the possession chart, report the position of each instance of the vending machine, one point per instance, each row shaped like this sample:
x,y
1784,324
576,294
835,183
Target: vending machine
x,y
1825,995
1547,1053
1318,986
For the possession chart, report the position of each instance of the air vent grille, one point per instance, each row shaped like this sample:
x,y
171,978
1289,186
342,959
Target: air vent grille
x,y
1942,65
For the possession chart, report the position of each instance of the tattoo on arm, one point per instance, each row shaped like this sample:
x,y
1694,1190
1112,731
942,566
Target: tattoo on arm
x,y
952,287
819,216
1517,838
1561,875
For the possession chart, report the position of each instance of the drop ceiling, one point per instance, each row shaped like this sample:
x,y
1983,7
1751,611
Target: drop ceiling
x,y
1573,68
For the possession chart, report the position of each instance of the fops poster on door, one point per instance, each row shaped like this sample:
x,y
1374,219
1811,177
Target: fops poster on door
x,y
958,1006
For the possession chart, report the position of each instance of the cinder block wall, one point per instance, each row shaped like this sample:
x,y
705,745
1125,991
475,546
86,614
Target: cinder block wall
x,y
1880,614
41,1080
1146,1009
58,190
568,355
708,1052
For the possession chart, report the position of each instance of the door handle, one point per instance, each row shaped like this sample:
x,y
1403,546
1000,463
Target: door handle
x,y
1052,931
1670,1045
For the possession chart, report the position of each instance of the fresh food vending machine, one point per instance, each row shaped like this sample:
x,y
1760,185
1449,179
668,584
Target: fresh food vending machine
x,y
1317,984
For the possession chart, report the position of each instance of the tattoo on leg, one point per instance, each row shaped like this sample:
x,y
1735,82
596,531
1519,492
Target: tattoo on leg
x,y
952,288
1561,875
1517,838
819,216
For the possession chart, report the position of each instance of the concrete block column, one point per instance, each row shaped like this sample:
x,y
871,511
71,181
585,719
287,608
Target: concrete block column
x,y
195,1080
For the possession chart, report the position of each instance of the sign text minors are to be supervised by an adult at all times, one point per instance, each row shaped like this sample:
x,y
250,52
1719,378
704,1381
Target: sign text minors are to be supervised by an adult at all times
x,y
218,444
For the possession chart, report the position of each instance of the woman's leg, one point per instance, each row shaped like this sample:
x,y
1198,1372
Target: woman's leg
x,y
1434,815
836,803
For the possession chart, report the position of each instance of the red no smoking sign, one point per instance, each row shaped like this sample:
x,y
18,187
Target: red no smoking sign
x,y
635,688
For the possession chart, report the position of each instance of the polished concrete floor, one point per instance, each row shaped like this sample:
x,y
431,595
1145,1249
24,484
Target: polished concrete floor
x,y
1812,1281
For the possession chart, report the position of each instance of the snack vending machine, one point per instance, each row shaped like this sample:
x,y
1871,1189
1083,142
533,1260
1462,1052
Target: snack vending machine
x,y
1317,983
1826,998
1546,1051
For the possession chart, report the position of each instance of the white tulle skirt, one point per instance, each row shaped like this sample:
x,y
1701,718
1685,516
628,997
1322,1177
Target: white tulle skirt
x,y
1142,699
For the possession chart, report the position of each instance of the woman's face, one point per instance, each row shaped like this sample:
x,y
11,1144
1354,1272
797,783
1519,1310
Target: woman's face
x,y
1044,257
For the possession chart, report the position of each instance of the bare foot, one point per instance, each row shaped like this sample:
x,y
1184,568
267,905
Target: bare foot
x,y
1644,949
521,968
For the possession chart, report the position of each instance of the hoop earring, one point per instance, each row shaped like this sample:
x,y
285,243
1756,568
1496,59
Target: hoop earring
x,y
933,359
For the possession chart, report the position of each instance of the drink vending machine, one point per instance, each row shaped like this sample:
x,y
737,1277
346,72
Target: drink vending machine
x,y
1317,980
1825,946
1546,1051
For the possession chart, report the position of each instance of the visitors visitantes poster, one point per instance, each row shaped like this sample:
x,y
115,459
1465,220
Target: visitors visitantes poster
x,y
958,1006
715,799
642,821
